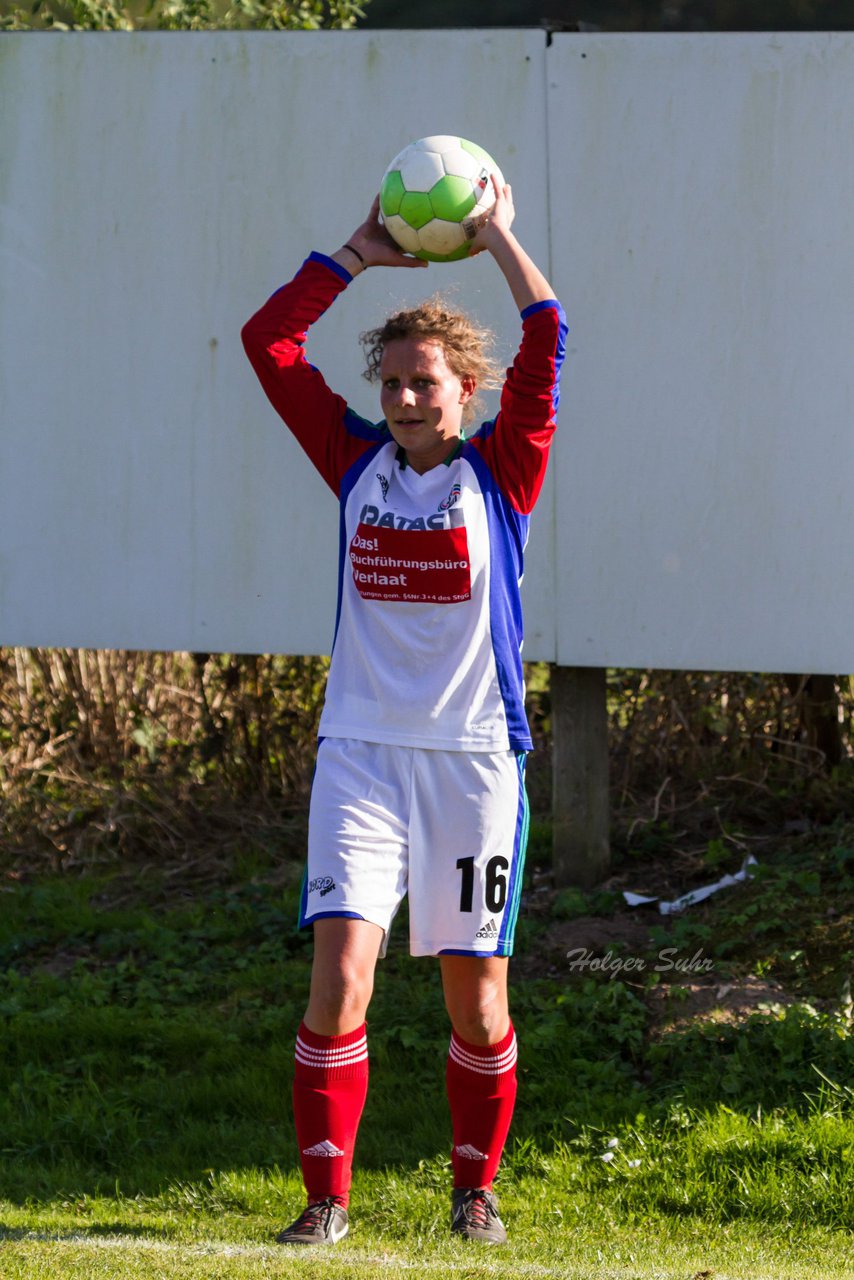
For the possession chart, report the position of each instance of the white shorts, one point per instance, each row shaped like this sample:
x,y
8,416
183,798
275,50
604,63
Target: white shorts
x,y
448,827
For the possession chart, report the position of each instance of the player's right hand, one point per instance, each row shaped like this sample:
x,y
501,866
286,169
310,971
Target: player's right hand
x,y
376,246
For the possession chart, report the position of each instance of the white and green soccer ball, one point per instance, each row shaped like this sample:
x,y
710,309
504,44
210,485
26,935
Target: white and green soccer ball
x,y
433,195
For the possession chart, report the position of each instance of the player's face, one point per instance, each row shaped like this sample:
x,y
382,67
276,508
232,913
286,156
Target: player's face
x,y
422,400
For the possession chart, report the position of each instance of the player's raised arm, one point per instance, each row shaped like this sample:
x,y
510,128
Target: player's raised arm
x,y
370,245
516,452
527,282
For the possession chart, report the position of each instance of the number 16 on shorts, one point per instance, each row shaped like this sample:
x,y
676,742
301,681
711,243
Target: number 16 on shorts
x,y
464,895
495,894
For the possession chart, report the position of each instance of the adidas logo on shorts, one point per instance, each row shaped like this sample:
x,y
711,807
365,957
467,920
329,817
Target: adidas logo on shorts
x,y
324,1148
489,930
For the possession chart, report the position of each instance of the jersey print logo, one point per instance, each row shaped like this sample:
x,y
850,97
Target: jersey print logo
x,y
415,565
383,485
391,520
453,496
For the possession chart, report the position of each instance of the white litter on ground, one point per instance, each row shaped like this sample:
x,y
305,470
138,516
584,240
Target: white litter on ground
x,y
695,895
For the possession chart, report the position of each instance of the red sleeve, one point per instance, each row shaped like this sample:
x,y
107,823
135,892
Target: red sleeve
x,y
516,446
274,340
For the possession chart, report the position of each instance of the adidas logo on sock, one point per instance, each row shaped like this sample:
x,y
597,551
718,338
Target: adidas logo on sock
x,y
489,930
324,1148
469,1152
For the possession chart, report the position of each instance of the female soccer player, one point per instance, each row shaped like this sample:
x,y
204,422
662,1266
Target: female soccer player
x,y
419,785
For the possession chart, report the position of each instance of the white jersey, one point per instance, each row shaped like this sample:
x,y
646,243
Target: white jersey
x,y
428,633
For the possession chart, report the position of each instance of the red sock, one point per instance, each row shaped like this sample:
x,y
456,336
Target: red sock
x,y
330,1087
481,1090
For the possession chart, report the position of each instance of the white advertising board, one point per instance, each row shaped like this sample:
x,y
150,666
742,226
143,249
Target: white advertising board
x,y
702,197
155,190
692,199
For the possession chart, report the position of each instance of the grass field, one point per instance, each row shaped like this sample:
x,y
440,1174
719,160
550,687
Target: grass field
x,y
601,1249
147,1024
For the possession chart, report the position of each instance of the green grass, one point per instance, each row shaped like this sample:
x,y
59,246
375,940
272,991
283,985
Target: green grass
x,y
570,1240
145,1065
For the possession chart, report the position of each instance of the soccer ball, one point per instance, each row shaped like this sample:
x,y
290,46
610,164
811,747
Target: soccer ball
x,y
433,193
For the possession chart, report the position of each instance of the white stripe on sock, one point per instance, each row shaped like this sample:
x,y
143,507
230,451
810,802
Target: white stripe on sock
x,y
344,1057
491,1065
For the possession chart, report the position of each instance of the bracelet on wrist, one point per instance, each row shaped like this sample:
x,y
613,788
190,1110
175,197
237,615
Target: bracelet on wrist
x,y
356,254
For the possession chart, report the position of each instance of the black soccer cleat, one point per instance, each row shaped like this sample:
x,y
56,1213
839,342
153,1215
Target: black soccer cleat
x,y
474,1214
323,1222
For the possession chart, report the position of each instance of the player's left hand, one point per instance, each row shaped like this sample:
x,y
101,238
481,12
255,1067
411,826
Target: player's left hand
x,y
497,220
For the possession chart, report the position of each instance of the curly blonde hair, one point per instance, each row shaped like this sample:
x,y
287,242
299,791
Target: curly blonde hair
x,y
468,349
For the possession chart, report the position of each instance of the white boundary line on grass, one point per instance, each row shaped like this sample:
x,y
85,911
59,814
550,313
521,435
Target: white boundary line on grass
x,y
348,1257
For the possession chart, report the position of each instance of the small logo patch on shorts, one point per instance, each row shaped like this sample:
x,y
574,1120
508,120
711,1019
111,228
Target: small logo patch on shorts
x,y
489,930
321,885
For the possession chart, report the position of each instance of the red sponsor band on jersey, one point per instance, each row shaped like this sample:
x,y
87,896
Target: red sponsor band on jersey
x,y
424,565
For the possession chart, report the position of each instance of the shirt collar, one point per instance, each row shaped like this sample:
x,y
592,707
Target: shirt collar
x,y
455,453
